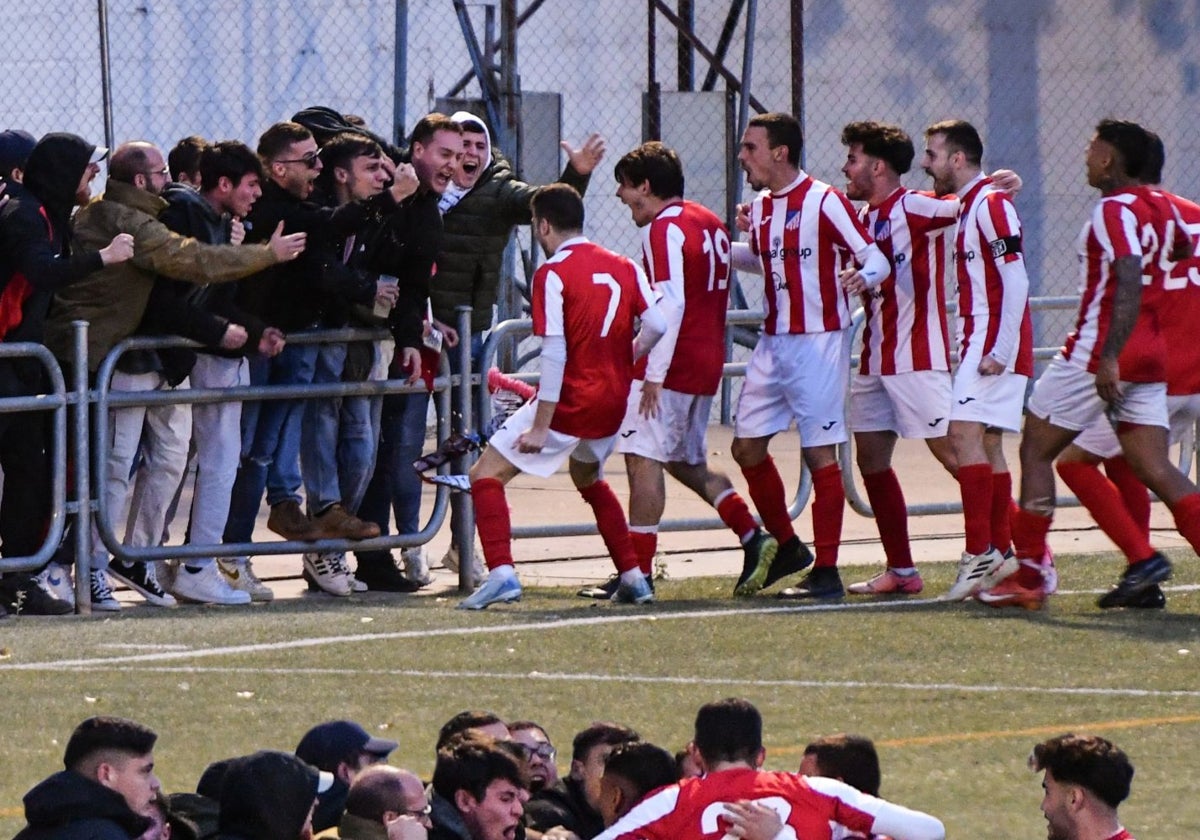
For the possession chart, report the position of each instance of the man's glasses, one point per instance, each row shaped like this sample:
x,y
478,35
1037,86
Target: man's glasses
x,y
425,812
309,160
165,172
544,749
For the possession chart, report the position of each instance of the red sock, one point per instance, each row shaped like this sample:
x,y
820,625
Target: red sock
x,y
1103,502
1029,538
1133,492
610,519
891,515
645,544
492,521
734,512
975,484
829,505
1187,519
766,490
1002,506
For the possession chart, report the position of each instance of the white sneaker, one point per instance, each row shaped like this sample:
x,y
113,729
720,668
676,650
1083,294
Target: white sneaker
x,y
478,572
207,585
356,585
103,599
501,587
240,575
416,567
58,581
326,572
973,570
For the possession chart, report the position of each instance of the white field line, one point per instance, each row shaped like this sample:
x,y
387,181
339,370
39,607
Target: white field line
x,y
668,680
542,625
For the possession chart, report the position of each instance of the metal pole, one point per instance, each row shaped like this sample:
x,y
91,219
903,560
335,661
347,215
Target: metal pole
x,y
83,498
462,521
798,65
105,72
685,53
400,74
747,67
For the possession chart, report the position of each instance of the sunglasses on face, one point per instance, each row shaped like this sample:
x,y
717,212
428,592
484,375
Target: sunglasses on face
x,y
544,750
309,160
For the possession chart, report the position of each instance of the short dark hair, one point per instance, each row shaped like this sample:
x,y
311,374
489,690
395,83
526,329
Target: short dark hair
x,y
601,732
960,136
654,163
184,158
471,762
1156,159
782,130
230,159
278,138
851,758
107,733
728,730
645,766
522,725
889,143
374,791
342,148
128,161
1088,761
431,124
461,722
1131,141
560,205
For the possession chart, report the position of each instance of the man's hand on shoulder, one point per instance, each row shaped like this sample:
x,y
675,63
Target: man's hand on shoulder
x,y
117,251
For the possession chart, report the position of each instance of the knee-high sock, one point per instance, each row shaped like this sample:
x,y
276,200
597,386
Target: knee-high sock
x,y
766,490
492,521
1002,511
829,505
1187,519
1103,501
645,545
734,512
614,528
1029,539
975,484
1133,492
891,515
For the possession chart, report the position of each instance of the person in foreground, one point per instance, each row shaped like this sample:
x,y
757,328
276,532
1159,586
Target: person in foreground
x,y
1085,779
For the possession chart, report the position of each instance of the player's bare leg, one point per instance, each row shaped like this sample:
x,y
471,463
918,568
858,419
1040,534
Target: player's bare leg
x,y
610,520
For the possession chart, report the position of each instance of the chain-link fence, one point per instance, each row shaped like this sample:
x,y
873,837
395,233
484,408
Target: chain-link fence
x,y
1033,75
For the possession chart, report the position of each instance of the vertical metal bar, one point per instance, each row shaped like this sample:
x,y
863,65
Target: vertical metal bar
x,y
105,72
400,74
798,65
685,54
510,82
652,130
463,521
731,19
83,517
747,66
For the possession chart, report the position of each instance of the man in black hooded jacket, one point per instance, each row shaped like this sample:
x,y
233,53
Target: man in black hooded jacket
x,y
36,260
269,795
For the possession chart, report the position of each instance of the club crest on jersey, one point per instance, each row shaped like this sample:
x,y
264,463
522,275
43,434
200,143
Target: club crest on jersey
x,y
883,229
793,220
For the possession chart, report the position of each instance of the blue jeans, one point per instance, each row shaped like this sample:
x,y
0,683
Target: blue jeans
x,y
395,483
272,458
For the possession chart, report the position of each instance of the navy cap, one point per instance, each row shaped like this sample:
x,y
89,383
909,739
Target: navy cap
x,y
15,146
328,744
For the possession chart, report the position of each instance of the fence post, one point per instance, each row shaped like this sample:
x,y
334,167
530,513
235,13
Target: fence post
x,y
462,520
83,458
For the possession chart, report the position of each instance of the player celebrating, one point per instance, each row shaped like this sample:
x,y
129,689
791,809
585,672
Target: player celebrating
x,y
803,234
686,254
995,340
585,300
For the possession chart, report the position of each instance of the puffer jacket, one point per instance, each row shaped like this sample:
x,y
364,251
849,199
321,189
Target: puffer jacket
x,y
70,806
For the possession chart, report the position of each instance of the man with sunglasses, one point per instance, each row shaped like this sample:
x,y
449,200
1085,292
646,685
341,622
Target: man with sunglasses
x,y
539,753
386,803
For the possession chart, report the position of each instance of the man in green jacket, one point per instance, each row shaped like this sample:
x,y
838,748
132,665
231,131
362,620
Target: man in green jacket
x,y
114,301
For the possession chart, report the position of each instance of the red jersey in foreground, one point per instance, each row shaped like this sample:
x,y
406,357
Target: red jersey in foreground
x,y
591,297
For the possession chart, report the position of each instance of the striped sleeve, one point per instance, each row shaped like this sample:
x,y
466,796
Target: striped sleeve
x,y
1115,226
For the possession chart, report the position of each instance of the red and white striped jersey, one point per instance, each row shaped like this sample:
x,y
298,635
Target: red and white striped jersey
x,y
686,252
591,297
993,288
805,234
694,809
1127,223
1180,310
906,315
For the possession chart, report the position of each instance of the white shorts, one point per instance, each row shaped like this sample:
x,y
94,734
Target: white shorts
x,y
914,405
558,448
797,377
1100,439
1065,396
996,401
678,434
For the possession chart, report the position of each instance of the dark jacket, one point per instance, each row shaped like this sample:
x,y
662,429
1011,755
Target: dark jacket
x,y
35,235
447,821
266,796
564,804
477,229
301,293
70,806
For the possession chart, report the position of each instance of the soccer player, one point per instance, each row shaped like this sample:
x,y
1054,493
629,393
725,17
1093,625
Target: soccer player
x,y
1118,500
1107,366
585,300
995,340
1085,779
803,233
686,254
728,745
903,385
